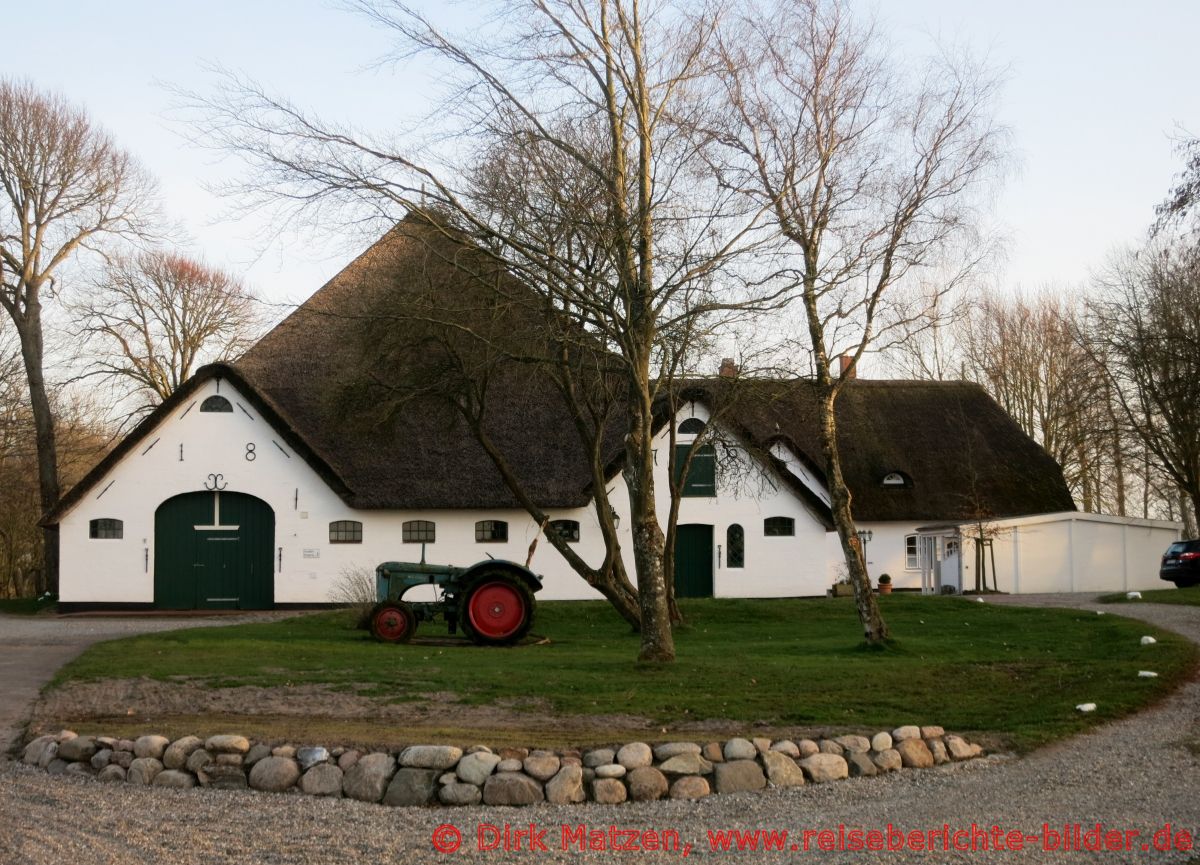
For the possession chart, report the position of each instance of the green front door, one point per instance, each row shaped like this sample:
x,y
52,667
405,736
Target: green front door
x,y
212,550
693,561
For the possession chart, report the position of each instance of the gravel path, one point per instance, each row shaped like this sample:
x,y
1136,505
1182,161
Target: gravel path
x,y
1135,774
33,648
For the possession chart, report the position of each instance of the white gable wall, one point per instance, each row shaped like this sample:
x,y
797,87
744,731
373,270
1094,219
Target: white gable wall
x,y
746,495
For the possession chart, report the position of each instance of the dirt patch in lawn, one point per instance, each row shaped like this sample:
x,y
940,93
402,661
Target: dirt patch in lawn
x,y
316,713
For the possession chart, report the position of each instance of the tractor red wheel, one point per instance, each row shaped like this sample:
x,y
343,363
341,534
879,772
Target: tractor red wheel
x,y
499,610
393,622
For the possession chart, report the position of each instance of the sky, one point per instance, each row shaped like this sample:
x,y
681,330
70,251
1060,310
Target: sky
x,y
1094,93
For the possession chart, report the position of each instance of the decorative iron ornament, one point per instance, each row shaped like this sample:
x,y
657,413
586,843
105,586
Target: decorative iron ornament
x,y
215,483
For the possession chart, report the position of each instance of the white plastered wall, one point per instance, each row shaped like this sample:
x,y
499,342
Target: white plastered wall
x,y
308,566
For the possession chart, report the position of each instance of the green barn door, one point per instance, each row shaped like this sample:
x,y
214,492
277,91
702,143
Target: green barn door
x,y
212,550
694,561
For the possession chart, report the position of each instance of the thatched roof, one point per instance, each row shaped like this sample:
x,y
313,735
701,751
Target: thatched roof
x,y
962,457
343,376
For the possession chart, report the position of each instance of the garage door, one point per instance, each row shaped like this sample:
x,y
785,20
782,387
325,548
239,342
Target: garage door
x,y
212,550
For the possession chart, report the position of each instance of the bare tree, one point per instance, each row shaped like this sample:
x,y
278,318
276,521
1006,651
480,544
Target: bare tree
x,y
155,317
64,186
602,94
1146,327
1028,355
869,175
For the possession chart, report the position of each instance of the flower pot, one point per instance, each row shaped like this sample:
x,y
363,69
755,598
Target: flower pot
x,y
885,588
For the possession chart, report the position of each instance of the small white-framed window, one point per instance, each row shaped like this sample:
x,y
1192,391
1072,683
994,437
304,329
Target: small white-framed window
x,y
912,558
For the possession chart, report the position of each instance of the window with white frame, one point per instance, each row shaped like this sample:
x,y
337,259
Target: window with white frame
x,y
912,558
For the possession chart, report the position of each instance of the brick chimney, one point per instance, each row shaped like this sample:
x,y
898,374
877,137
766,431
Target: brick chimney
x,y
846,368
728,369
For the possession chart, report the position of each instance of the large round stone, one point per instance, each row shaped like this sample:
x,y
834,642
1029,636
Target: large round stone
x,y
143,770
598,757
151,746
411,787
80,748
227,744
176,755
309,757
368,778
323,779
667,750
35,749
611,770
881,741
914,754
460,794
689,787
908,731
635,755
646,784
475,768
542,766
175,779
197,760
439,757
861,764
566,788
824,767
111,773
739,749
608,791
854,744
887,761
738,776
782,770
274,774
512,788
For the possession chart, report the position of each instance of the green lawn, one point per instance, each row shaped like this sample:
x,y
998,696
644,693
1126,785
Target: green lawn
x,y
968,666
1188,597
23,606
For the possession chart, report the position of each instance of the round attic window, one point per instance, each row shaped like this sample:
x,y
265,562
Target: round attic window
x,y
894,479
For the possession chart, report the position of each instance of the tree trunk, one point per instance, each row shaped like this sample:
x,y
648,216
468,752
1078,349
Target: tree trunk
x,y
29,329
1189,508
658,643
874,629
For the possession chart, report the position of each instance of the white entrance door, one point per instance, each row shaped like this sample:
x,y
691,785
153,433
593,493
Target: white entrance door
x,y
951,567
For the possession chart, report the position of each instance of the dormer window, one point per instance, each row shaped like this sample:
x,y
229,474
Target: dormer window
x,y
895,479
216,403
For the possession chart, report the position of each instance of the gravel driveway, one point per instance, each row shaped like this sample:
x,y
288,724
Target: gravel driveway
x,y
1135,774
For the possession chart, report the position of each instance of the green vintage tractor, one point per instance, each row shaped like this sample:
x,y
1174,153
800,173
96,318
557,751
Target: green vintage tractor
x,y
492,601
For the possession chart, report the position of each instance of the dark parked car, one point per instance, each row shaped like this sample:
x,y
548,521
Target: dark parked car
x,y
1181,563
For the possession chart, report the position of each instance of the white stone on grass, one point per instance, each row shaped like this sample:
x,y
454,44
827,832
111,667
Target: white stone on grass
x,y
1148,641
1086,707
1147,674
1133,596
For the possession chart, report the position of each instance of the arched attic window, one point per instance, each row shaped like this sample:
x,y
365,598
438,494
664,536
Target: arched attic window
x,y
895,480
216,403
693,426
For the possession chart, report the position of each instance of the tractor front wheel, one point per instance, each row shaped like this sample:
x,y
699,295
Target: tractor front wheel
x,y
498,610
393,622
